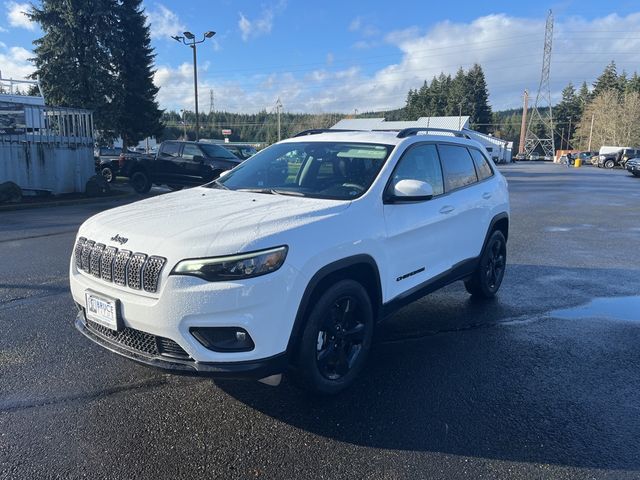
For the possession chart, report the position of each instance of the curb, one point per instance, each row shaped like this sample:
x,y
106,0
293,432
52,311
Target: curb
x,y
62,203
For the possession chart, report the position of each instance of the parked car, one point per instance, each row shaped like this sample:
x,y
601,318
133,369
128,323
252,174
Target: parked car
x,y
548,158
521,156
288,262
241,151
534,156
107,162
178,164
633,166
628,154
609,160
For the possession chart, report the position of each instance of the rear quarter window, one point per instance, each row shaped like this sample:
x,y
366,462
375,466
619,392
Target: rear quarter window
x,y
483,168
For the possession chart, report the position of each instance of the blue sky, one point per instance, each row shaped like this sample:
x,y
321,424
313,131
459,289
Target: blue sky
x,y
339,56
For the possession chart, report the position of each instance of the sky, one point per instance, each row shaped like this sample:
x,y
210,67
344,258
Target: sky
x,y
343,56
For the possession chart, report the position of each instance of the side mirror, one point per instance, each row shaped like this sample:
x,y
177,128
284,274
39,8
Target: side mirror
x,y
198,158
224,173
410,191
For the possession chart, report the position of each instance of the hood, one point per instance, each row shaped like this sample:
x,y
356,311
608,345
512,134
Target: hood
x,y
203,222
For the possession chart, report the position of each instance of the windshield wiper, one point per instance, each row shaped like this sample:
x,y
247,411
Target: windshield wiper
x,y
293,193
216,184
257,190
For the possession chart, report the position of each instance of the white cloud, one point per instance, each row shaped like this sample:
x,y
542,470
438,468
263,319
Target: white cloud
x,y
508,48
14,62
355,24
164,23
260,26
16,15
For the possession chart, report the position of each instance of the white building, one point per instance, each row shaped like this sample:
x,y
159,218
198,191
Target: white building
x,y
499,149
43,148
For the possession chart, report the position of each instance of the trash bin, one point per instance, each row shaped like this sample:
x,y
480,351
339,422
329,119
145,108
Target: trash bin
x,y
577,163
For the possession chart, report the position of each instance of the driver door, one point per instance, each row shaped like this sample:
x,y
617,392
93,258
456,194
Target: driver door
x,y
418,234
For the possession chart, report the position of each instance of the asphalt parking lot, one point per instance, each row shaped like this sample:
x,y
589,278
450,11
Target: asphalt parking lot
x,y
543,382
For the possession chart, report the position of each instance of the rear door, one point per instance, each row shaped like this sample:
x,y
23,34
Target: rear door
x,y
194,169
166,166
468,200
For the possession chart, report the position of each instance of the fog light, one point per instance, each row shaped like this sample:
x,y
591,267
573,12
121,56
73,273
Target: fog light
x,y
223,339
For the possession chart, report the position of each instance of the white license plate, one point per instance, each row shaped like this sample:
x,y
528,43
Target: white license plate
x,y
102,310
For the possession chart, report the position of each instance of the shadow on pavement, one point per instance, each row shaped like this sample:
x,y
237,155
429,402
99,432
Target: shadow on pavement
x,y
499,380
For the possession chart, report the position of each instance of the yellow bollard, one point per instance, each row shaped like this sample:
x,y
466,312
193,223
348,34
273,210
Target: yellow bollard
x,y
577,163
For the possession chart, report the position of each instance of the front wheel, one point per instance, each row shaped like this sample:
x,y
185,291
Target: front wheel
x,y
336,339
609,164
487,278
107,174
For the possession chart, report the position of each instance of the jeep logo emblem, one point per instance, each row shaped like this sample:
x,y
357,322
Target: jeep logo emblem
x,y
119,239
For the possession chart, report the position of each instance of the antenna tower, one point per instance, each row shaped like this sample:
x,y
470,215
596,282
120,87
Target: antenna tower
x,y
540,127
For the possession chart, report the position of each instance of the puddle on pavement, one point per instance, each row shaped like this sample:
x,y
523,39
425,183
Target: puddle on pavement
x,y
618,308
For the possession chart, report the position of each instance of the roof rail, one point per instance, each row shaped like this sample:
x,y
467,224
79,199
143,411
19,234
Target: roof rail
x,y
316,131
407,132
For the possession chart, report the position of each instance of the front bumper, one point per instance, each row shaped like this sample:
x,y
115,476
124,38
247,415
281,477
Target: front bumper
x,y
249,369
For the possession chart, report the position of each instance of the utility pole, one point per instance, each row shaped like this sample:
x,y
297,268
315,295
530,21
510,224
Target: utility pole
x,y
562,138
593,115
184,124
460,116
523,125
193,44
278,109
569,134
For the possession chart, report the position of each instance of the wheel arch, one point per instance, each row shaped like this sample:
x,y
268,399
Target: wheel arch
x,y
499,222
362,268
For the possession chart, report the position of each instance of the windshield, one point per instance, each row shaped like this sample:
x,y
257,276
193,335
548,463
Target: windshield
x,y
334,170
217,151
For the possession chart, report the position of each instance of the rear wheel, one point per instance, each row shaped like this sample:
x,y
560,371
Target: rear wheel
x,y
336,339
486,280
140,182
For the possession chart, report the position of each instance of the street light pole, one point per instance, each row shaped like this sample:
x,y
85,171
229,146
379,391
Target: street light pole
x,y
193,44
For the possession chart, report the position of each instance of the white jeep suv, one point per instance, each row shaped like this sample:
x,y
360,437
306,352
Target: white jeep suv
x,y
287,262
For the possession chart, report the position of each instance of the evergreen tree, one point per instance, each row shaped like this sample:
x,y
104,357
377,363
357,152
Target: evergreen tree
x,y
459,94
608,80
567,114
72,58
136,112
633,85
584,95
480,109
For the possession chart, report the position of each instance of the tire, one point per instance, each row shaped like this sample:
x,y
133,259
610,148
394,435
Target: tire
x,y
486,280
343,314
635,174
108,174
175,188
609,164
140,182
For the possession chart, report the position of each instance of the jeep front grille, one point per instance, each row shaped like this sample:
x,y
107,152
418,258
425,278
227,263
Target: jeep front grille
x,y
122,267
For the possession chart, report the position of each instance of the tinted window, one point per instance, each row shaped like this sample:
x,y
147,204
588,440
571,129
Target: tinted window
x,y
421,163
217,151
334,170
482,164
458,166
190,150
170,148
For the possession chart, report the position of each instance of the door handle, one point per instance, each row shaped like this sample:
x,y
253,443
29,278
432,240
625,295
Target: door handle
x,y
486,195
447,209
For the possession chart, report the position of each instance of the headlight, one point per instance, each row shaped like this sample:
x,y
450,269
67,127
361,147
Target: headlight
x,y
233,267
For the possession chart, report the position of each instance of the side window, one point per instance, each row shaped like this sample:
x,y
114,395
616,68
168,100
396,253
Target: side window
x,y
421,163
170,149
190,150
458,166
482,164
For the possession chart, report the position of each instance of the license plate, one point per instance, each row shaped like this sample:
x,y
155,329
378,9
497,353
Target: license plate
x,y
102,310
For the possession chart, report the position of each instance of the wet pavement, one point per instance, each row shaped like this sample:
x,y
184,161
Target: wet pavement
x,y
542,382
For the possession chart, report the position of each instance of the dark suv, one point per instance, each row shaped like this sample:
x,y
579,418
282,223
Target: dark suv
x,y
241,151
179,164
618,158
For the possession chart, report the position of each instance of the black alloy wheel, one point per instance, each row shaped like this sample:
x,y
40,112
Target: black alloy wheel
x,y
140,182
340,338
486,280
336,339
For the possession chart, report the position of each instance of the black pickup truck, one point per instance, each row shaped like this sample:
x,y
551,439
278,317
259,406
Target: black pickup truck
x,y
178,164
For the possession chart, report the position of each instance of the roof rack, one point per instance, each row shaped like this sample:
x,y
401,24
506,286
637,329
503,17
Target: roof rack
x,y
316,131
407,132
